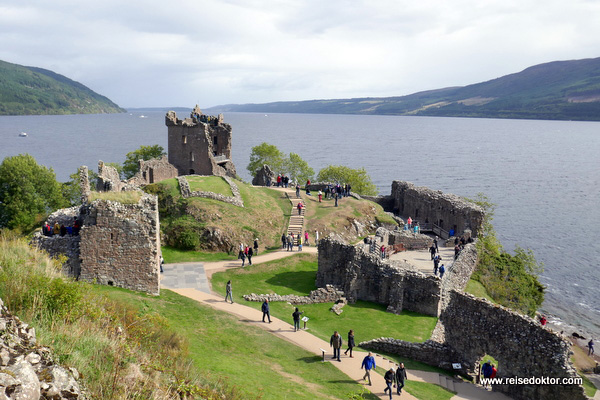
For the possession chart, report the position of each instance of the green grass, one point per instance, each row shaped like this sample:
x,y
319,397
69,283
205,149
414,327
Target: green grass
x,y
173,255
257,363
477,289
422,390
215,184
126,197
296,275
588,386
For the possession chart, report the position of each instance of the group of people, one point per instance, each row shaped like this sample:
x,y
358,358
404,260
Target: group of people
x,y
460,244
336,343
283,180
436,257
488,370
392,378
290,240
61,230
247,252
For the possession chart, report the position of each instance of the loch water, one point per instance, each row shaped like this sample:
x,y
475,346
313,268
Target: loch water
x,y
543,176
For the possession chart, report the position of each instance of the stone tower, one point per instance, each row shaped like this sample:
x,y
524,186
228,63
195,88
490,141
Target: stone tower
x,y
200,144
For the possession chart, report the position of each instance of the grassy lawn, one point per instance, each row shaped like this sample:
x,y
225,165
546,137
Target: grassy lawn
x,y
172,255
296,275
259,364
214,184
588,386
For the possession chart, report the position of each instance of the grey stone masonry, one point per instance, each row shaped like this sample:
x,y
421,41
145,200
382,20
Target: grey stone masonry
x,y
449,211
328,294
120,244
236,199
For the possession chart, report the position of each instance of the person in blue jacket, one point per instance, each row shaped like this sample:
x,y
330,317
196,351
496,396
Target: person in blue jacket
x,y
368,364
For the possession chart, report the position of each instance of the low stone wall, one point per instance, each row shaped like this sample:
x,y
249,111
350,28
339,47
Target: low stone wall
x,y
328,294
459,272
408,240
27,371
428,352
56,246
236,199
387,202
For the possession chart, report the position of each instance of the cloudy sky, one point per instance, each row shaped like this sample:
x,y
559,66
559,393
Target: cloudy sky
x,y
179,53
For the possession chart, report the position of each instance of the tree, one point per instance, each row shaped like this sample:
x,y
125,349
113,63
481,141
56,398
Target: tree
x,y
358,178
298,169
131,166
267,154
28,192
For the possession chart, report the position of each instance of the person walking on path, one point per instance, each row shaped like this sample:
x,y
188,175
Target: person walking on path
x,y
299,206
336,343
591,347
291,242
335,196
256,246
401,376
442,270
486,370
283,241
389,377
368,364
242,256
250,254
350,343
320,196
296,315
297,191
266,310
306,238
228,292
432,250
436,263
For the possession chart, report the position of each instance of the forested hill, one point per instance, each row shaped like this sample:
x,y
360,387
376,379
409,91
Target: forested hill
x,y
566,90
30,90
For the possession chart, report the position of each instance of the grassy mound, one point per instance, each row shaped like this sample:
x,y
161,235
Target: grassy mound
x,y
208,225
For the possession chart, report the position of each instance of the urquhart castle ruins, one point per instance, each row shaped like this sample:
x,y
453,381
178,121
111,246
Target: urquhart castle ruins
x,y
118,243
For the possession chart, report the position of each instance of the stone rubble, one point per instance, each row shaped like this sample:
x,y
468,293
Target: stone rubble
x,y
328,294
27,371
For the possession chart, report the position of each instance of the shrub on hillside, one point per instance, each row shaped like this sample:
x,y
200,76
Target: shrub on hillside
x,y
184,233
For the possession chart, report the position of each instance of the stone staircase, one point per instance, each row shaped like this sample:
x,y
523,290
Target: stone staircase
x,y
296,225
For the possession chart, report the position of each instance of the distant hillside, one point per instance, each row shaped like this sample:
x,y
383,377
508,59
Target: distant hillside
x,y
566,90
30,90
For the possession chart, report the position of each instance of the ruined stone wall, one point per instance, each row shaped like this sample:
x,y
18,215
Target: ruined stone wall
x,y
120,244
364,276
475,327
197,147
459,272
429,206
236,199
152,171
387,202
108,179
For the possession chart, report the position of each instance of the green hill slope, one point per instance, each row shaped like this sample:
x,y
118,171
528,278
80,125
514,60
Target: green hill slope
x,y
567,90
30,90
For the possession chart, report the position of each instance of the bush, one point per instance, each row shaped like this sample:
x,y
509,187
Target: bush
x,y
184,233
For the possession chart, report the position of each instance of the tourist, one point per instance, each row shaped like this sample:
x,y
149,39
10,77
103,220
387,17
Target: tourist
x,y
63,230
350,343
543,320
349,189
266,310
278,180
336,343
297,190
291,242
432,250
409,222
382,251
299,242
76,226
299,206
442,270
255,246
328,191
320,196
368,364
56,230
335,196
435,242
401,376
283,241
316,237
494,371
590,346
242,256
296,315
306,238
162,261
456,251
250,254
486,370
389,380
228,292
436,263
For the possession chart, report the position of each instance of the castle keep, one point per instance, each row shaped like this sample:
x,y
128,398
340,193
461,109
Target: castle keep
x,y
200,144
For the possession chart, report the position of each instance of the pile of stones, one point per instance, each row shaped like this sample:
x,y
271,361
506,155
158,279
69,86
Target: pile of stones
x,y
27,371
328,294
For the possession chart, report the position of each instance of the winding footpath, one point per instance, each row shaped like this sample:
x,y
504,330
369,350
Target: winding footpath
x,y
193,280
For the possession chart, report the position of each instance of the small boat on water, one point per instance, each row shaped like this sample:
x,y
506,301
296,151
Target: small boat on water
x,y
23,134
143,116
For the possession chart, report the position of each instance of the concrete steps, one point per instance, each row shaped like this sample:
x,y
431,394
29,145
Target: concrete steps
x,y
296,224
